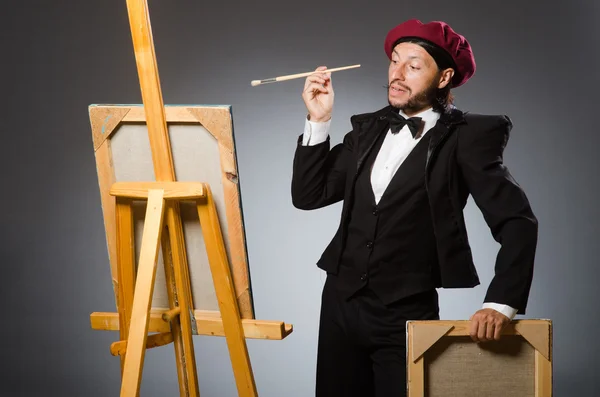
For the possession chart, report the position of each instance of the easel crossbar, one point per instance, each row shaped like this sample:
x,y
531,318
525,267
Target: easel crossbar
x,y
171,190
206,324
155,340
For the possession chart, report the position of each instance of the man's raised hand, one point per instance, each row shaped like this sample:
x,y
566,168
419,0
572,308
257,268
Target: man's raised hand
x,y
318,95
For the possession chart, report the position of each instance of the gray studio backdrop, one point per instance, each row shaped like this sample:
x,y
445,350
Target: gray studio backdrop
x,y
537,63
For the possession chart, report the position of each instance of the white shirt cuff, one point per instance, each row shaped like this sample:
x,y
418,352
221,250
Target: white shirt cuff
x,y
315,133
504,309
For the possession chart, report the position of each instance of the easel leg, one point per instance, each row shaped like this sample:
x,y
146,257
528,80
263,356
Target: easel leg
x,y
184,353
186,360
142,298
224,288
126,266
173,303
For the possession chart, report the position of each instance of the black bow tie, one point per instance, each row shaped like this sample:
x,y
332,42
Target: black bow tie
x,y
397,122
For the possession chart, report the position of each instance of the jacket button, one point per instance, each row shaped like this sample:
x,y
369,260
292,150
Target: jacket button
x,y
375,212
363,276
369,245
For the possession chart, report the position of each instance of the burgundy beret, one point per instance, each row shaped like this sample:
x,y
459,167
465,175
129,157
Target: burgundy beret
x,y
442,35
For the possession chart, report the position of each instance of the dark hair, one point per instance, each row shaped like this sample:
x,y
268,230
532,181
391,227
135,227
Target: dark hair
x,y
443,60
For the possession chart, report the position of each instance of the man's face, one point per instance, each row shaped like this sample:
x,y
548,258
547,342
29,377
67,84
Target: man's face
x,y
414,78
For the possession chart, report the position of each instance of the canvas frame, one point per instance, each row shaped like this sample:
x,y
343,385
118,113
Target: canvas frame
x,y
217,120
423,335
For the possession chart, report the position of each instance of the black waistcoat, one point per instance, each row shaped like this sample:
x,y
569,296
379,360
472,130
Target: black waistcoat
x,y
390,246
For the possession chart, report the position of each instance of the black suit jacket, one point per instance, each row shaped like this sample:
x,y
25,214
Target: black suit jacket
x,y
465,157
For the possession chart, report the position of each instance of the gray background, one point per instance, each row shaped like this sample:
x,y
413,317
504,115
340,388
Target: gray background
x,y
536,63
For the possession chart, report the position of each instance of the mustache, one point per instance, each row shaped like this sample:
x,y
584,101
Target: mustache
x,y
387,86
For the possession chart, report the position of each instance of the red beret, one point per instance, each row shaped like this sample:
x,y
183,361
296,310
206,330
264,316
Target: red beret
x,y
442,35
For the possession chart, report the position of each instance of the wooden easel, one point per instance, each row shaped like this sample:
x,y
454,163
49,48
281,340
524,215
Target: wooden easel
x,y
163,228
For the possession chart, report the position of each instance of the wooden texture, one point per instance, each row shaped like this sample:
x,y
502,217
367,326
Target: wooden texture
x,y
543,376
140,314
207,323
415,377
444,361
218,122
423,340
537,334
185,124
104,122
164,171
106,178
164,193
180,190
155,340
141,33
299,75
186,324
126,267
172,316
219,264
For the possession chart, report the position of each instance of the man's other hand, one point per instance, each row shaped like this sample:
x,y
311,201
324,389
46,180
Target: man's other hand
x,y
487,325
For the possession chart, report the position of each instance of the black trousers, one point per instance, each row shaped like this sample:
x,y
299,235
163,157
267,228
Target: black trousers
x,y
362,342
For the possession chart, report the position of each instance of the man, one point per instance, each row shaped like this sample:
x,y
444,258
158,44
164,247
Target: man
x,y
404,174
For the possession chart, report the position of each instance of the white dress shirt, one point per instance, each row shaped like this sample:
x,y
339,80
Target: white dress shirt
x,y
393,152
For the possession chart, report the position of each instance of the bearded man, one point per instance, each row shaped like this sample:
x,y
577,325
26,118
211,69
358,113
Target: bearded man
x,y
404,174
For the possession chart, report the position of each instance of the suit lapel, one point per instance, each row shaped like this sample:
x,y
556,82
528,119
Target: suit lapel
x,y
443,128
368,137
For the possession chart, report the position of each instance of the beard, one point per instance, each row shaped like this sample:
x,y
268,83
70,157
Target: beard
x,y
419,101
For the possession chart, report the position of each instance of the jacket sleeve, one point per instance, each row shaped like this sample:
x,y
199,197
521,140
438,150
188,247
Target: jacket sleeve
x,y
505,209
319,174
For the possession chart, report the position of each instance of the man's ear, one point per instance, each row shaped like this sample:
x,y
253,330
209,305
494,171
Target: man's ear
x,y
445,77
